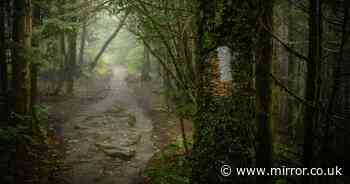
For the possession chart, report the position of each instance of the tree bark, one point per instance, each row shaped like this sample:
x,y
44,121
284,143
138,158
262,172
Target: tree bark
x,y
71,65
310,90
22,32
3,65
146,66
292,72
34,85
264,148
34,66
222,120
82,42
62,73
22,37
284,69
183,134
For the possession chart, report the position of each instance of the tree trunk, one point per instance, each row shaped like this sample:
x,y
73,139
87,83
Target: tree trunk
x,y
71,63
146,66
22,32
34,85
22,37
284,73
62,73
263,115
168,88
34,66
335,140
82,42
3,65
222,120
310,90
292,72
183,134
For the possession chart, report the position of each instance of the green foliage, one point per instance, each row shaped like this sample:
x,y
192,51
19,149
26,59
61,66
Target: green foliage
x,y
55,26
135,54
171,167
123,49
29,132
8,135
281,180
286,152
117,109
180,143
134,60
186,110
102,69
33,130
134,67
7,151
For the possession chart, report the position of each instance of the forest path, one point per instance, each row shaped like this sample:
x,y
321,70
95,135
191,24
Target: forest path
x,y
109,141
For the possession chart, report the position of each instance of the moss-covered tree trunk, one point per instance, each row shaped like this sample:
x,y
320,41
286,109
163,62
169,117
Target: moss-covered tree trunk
x,y
22,32
222,125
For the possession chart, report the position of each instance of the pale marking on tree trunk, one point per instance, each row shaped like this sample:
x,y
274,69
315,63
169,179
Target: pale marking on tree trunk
x,y
225,57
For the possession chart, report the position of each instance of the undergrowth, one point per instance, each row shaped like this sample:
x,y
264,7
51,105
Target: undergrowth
x,y
170,166
25,152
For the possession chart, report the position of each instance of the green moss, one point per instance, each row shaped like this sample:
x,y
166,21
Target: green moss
x,y
131,120
117,109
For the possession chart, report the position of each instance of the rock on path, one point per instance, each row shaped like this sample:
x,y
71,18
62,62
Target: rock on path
x,y
109,141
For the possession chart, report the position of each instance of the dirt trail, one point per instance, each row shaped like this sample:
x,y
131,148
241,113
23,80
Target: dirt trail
x,y
110,140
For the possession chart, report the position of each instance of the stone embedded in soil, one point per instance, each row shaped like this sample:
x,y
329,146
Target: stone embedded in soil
x,y
81,127
73,141
123,153
115,150
121,147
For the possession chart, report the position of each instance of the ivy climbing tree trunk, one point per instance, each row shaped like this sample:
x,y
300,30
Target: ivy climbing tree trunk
x,y
22,32
263,90
225,99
